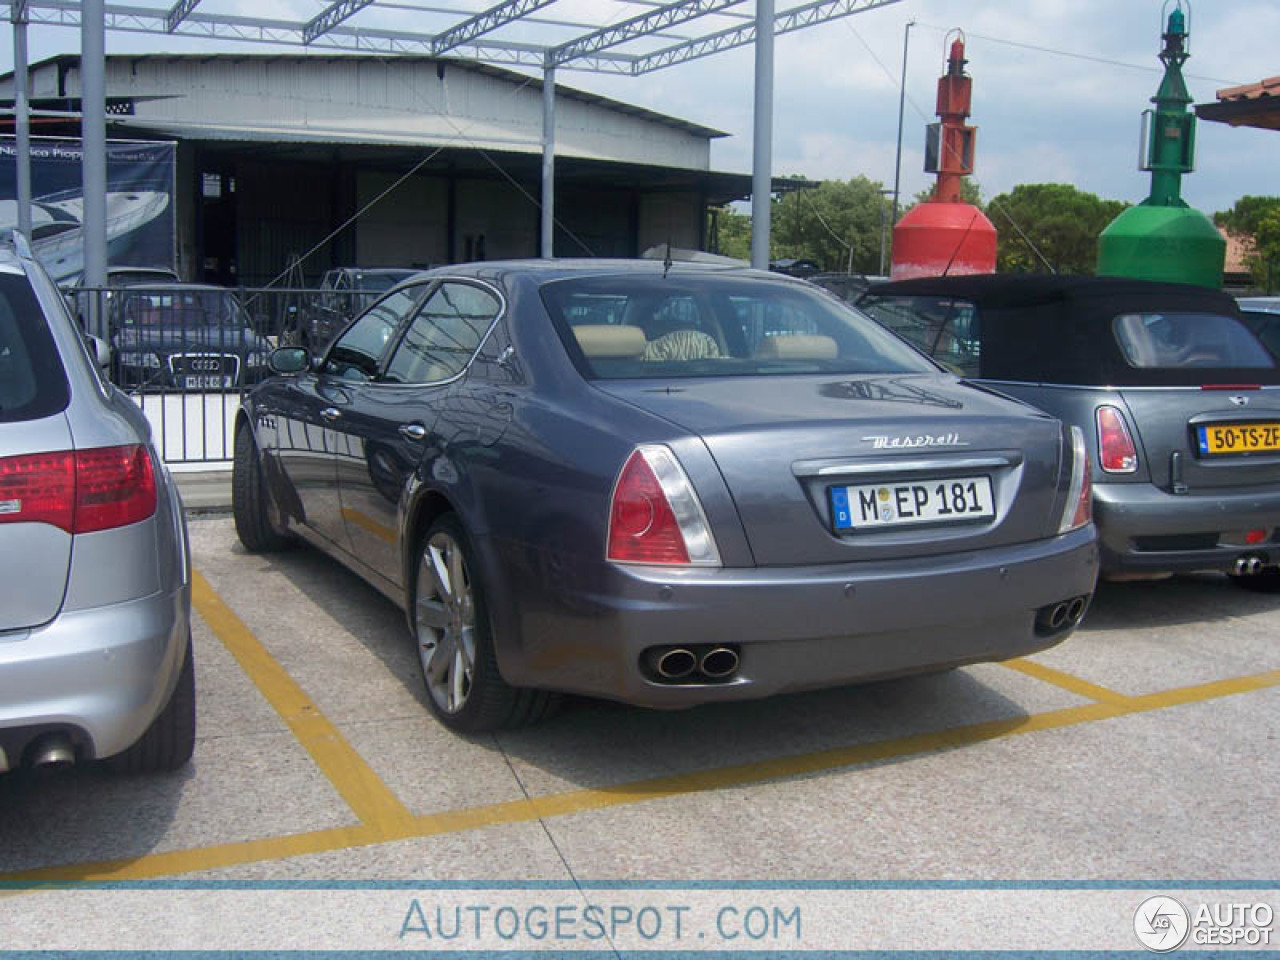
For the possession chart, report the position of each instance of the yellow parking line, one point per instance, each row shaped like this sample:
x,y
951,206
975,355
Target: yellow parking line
x,y
580,801
369,798
1067,681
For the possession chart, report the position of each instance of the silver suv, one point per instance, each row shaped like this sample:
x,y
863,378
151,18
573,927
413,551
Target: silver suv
x,y
95,572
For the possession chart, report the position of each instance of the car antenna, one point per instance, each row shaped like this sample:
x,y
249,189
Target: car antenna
x,y
956,252
666,259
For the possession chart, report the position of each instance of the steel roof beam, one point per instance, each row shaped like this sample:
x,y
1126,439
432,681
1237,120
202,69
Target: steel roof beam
x,y
643,25
330,17
485,22
177,13
797,18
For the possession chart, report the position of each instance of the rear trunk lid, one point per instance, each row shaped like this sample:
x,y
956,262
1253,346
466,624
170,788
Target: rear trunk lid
x,y
35,558
953,467
1205,438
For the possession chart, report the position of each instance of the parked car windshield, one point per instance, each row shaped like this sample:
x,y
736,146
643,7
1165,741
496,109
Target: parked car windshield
x,y
630,327
943,327
1164,340
175,307
32,381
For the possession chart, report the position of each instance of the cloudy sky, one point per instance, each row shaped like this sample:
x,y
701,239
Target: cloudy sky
x,y
1068,116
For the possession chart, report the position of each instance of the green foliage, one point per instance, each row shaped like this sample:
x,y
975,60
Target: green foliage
x,y
838,224
1258,218
729,233
1062,222
969,190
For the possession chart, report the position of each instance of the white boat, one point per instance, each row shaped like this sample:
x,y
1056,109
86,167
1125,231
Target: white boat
x,y
57,234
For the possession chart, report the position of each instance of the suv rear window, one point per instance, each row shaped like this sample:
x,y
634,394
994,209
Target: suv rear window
x,y
32,381
1210,340
640,327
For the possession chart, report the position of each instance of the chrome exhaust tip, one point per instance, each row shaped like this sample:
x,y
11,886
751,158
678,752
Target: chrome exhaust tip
x,y
1254,566
1058,617
719,662
1238,566
672,663
53,751
1075,609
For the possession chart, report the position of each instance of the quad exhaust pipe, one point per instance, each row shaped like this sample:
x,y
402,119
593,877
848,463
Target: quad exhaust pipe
x,y
711,662
1248,565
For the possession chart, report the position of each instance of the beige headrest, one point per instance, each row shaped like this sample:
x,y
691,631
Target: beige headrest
x,y
799,346
607,341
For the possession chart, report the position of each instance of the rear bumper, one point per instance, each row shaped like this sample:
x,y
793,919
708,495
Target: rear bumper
x,y
797,628
99,675
1143,529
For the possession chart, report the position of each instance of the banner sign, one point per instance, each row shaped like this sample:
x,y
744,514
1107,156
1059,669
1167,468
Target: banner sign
x,y
141,230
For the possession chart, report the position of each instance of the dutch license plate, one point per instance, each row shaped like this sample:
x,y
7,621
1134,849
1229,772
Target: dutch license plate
x,y
1238,438
208,381
946,500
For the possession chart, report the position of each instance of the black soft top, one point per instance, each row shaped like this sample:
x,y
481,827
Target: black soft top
x,y
1058,329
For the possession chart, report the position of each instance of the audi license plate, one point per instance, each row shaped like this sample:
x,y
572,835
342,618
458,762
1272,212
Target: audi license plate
x,y
1219,438
949,500
205,381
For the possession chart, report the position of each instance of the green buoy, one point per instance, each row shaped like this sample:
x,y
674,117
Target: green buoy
x,y
1162,238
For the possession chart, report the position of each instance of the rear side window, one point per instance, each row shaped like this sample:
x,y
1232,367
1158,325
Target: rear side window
x,y
445,334
709,325
944,328
32,381
1182,340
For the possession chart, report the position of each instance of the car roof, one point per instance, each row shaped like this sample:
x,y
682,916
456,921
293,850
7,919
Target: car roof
x,y
543,271
1260,304
1024,289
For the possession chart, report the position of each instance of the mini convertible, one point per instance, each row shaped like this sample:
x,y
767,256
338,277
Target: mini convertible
x,y
666,485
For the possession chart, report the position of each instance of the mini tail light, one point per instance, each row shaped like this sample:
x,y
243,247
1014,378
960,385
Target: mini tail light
x,y
80,491
1116,452
654,515
1078,510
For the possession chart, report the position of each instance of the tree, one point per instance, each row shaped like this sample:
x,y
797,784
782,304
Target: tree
x,y
970,191
730,233
1257,218
838,224
1061,222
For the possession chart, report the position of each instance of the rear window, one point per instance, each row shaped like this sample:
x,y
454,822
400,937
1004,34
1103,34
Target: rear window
x,y
624,327
1188,340
32,381
943,327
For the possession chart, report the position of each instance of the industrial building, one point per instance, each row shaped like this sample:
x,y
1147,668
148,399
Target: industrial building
x,y
398,161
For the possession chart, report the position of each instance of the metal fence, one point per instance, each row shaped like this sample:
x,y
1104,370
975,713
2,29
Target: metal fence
x,y
187,353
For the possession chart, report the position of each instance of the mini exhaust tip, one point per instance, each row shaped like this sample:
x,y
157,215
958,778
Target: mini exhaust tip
x,y
672,663
1075,609
1254,566
1239,566
719,662
52,752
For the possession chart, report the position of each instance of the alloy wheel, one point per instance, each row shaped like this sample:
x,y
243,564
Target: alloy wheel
x,y
446,622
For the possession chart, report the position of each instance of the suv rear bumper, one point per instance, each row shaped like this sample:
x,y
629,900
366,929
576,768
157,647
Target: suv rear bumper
x,y
99,675
1182,533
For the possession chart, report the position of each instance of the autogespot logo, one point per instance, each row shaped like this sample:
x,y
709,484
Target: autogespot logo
x,y
1161,924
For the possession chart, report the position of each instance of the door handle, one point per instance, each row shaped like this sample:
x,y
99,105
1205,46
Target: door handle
x,y
413,431
331,414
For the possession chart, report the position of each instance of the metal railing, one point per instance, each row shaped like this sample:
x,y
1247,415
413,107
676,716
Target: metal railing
x,y
187,353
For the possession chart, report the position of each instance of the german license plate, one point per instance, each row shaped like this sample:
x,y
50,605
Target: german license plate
x,y
206,381
947,500
1216,439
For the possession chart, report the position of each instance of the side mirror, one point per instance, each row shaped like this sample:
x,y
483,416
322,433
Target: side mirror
x,y
289,360
100,351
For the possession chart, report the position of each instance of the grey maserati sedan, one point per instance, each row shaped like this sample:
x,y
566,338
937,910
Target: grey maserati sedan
x,y
664,484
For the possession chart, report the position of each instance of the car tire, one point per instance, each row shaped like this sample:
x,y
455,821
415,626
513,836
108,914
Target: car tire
x,y
170,740
249,498
453,636
1268,581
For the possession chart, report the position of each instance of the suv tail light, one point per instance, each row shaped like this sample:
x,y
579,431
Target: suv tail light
x,y
1079,507
79,491
1116,452
654,515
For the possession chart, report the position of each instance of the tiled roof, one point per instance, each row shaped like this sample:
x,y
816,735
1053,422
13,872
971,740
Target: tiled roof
x,y
1252,91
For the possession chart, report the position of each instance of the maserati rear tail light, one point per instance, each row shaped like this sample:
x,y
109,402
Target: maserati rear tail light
x,y
654,515
1079,506
1116,452
79,491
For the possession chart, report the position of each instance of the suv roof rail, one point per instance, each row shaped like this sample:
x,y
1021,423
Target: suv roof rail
x,y
17,239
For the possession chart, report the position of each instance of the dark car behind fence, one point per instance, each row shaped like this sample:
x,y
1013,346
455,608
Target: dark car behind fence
x,y
186,353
